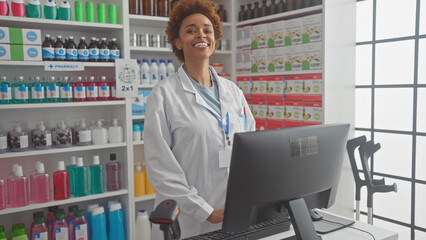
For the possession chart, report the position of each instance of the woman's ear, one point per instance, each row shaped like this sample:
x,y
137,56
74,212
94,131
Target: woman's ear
x,y
178,43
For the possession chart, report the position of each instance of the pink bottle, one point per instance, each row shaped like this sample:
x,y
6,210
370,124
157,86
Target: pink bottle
x,y
39,229
18,189
60,227
79,90
104,92
92,90
81,227
2,195
71,221
40,185
113,173
50,220
61,182
4,8
113,90
18,8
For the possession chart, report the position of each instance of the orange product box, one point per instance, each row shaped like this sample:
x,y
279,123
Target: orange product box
x,y
312,113
293,111
276,87
312,87
275,112
293,87
259,110
259,87
244,84
261,124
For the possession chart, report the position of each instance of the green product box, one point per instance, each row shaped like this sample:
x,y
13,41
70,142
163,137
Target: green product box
x,y
25,36
17,52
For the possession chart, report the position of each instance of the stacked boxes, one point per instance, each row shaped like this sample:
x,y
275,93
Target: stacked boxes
x,y
18,44
139,102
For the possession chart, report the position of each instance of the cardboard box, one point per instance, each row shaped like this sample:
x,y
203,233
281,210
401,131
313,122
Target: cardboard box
x,y
276,34
294,58
312,113
259,36
17,52
312,28
259,60
293,87
32,53
239,62
259,109
259,88
313,56
239,38
138,104
247,38
275,112
245,85
293,113
5,52
271,126
4,35
261,124
276,59
276,88
313,87
293,31
247,61
25,36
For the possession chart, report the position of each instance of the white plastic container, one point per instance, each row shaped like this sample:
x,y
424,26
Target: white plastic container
x,y
145,72
162,70
154,72
115,132
170,68
99,134
142,226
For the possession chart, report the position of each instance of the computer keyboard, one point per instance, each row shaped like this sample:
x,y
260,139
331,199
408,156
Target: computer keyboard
x,y
255,232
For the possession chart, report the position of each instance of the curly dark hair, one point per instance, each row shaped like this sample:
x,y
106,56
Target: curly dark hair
x,y
183,9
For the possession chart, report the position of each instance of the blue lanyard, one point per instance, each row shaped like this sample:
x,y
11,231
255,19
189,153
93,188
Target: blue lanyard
x,y
226,129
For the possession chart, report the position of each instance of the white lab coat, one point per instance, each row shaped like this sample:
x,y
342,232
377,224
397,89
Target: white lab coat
x,y
182,142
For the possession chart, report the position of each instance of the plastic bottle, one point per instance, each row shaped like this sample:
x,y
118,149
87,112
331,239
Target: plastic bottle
x,y
18,139
90,11
70,168
137,132
113,88
20,91
4,11
3,200
93,51
116,222
98,229
60,51
80,177
139,179
39,229
104,53
52,90
104,92
50,219
41,138
72,54
162,70
113,173
60,227
3,142
96,176
61,183
81,227
99,134
149,189
19,232
65,90
48,52
64,12
18,8
34,9
92,90
154,72
18,189
114,50
63,136
50,10
2,233
83,135
71,221
115,132
90,209
5,91
162,8
79,90
170,68
83,50
37,91
143,226
40,185
145,72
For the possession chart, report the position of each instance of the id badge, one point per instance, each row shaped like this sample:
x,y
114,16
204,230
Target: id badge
x,y
225,158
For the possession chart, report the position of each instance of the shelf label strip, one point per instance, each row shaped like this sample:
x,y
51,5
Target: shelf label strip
x,y
63,66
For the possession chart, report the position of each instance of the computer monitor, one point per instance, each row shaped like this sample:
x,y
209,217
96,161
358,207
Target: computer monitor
x,y
284,169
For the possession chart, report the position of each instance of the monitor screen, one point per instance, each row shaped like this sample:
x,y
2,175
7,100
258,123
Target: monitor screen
x,y
271,168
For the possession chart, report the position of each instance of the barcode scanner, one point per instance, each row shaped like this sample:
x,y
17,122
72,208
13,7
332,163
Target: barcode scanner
x,y
166,214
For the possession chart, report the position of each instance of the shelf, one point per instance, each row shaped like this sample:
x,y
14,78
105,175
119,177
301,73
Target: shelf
x,y
154,21
291,14
55,150
166,50
138,117
138,143
61,105
144,198
48,24
41,63
279,73
64,202
149,86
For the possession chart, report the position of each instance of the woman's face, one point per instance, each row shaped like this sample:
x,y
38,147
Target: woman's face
x,y
196,37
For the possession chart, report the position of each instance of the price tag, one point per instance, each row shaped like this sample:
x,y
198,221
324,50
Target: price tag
x,y
127,77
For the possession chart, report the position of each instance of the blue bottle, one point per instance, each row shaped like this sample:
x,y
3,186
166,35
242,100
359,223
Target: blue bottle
x,y
5,91
90,209
80,179
115,219
98,228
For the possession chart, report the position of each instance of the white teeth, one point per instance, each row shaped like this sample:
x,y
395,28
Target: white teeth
x,y
201,45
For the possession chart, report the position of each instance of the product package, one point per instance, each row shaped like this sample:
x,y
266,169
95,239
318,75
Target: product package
x,y
259,109
312,28
312,87
5,52
245,85
293,31
293,113
312,113
25,36
247,61
275,113
312,57
259,88
247,38
276,88
276,59
138,104
4,35
239,61
293,87
259,36
276,32
294,57
239,38
259,58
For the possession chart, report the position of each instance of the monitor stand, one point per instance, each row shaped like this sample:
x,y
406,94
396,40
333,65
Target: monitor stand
x,y
301,220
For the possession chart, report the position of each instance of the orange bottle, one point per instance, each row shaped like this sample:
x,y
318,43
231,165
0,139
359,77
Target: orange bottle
x,y
149,189
139,178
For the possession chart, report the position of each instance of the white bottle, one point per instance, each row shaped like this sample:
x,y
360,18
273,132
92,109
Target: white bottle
x,y
145,72
162,70
99,134
154,72
137,132
143,228
170,68
115,132
83,134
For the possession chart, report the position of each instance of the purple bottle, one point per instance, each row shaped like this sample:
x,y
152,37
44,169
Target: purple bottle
x,y
113,173
41,138
60,226
18,139
2,195
80,226
39,229
18,188
3,142
83,135
40,185
63,136
71,222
